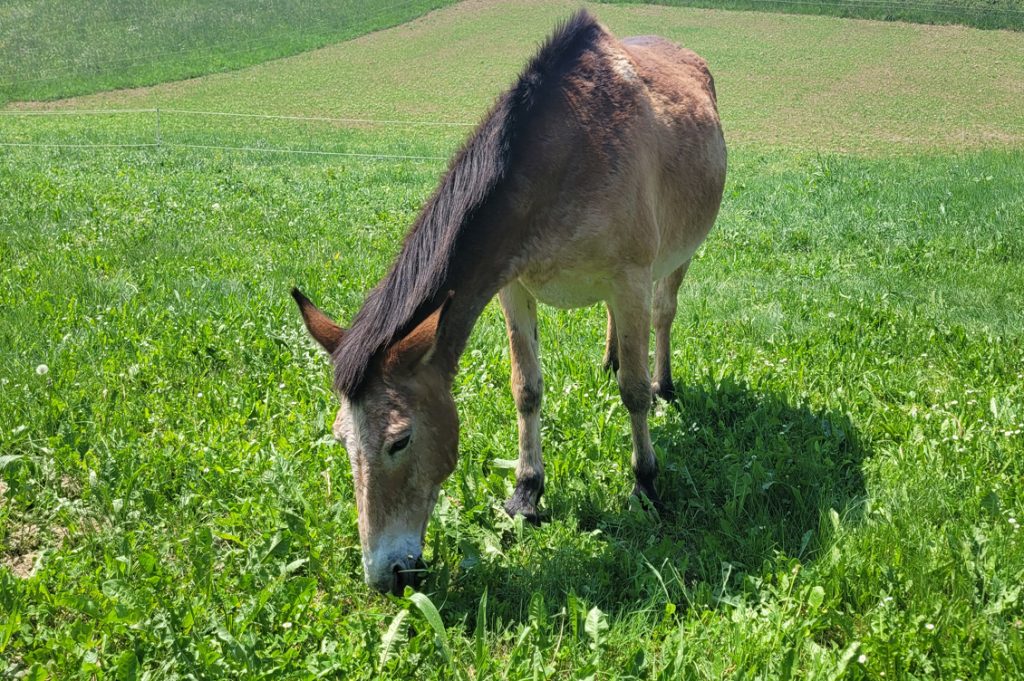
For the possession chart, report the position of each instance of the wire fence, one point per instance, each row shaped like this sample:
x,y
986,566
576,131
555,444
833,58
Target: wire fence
x,y
159,138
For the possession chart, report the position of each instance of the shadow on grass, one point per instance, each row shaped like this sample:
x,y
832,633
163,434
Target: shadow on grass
x,y
752,483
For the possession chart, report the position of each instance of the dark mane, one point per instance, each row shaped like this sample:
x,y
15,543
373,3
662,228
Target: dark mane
x,y
411,289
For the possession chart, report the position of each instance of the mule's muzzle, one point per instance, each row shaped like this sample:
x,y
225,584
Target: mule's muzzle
x,y
409,572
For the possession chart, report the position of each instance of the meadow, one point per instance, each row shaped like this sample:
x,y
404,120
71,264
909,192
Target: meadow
x,y
845,465
1007,14
50,48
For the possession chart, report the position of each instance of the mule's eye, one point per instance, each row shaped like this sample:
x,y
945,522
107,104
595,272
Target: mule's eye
x,y
398,445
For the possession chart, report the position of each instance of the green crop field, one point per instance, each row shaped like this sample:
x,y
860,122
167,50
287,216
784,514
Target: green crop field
x,y
846,464
1008,14
55,48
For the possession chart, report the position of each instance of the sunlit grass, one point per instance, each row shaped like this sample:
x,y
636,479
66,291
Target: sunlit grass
x,y
844,467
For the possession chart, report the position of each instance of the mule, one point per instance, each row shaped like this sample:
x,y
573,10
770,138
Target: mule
x,y
598,173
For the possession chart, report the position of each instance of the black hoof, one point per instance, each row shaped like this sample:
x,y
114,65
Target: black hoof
x,y
528,511
645,492
524,500
665,390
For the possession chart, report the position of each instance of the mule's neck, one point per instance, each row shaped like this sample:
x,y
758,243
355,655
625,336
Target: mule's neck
x,y
482,264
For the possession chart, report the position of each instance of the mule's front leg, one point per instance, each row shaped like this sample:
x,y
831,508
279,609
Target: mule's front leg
x,y
631,308
520,310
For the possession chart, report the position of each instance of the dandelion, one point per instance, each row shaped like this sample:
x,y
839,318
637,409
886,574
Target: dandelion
x,y
42,369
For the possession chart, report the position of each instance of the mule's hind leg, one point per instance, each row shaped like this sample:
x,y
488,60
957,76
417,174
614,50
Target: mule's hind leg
x,y
520,310
611,346
666,293
631,306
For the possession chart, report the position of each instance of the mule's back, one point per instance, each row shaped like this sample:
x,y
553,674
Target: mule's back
x,y
633,165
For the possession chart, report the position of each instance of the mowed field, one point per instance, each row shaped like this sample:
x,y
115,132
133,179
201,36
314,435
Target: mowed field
x,y
845,465
52,48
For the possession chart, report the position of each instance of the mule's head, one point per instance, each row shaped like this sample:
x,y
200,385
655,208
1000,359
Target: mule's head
x,y
401,434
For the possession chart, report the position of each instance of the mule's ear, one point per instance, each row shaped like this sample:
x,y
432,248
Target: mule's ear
x,y
419,344
323,330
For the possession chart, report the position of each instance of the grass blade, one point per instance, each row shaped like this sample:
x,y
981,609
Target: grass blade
x,y
433,618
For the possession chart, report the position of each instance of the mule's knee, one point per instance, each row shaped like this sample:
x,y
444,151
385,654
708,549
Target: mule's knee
x,y
664,312
636,394
528,396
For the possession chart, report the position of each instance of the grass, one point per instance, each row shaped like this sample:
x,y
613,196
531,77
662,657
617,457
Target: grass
x,y
51,49
846,464
988,14
785,81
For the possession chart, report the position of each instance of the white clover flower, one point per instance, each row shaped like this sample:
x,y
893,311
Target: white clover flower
x,y
862,658
929,626
42,369
215,206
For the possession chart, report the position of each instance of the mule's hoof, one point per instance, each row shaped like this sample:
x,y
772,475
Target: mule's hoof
x,y
650,495
515,507
525,498
665,390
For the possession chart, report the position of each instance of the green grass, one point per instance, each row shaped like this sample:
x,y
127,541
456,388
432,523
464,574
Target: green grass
x,y
846,466
51,49
784,81
989,14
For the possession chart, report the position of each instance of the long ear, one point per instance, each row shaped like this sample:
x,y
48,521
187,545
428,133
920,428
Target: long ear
x,y
419,345
323,330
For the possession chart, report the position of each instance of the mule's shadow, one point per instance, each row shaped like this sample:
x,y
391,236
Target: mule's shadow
x,y
751,482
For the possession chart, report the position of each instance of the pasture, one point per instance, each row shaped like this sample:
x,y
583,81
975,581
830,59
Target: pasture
x,y
51,49
846,463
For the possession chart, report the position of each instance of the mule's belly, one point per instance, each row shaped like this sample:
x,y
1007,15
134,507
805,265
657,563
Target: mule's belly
x,y
572,287
568,289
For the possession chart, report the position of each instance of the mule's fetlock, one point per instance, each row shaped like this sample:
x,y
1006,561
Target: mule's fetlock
x,y
664,389
646,491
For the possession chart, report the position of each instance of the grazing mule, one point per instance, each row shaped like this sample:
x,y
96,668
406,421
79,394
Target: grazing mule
x,y
599,172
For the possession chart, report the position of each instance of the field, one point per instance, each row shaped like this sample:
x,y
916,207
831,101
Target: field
x,y
50,48
846,463
1007,14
